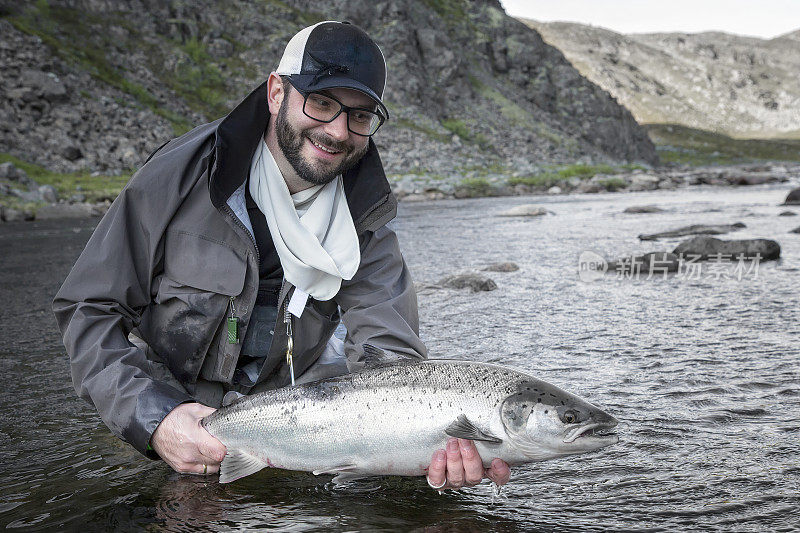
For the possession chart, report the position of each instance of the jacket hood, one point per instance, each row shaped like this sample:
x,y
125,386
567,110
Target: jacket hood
x,y
368,193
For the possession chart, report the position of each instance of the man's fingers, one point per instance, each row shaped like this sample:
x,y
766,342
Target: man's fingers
x,y
210,448
437,469
455,466
473,465
499,472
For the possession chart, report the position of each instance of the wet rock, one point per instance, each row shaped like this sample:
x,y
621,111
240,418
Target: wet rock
x,y
695,229
795,230
643,209
48,194
793,198
655,262
752,179
502,267
787,214
15,215
469,280
705,247
526,210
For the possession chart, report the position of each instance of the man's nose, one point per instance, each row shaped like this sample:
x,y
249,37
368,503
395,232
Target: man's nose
x,y
337,128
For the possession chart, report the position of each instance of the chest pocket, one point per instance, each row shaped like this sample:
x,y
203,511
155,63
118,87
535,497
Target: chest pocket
x,y
200,276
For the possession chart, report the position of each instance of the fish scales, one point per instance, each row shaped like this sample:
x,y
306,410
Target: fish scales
x,y
384,420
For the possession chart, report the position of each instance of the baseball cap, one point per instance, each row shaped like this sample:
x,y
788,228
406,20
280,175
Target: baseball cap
x,y
333,54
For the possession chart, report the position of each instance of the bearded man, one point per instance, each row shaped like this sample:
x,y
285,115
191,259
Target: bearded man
x,y
229,259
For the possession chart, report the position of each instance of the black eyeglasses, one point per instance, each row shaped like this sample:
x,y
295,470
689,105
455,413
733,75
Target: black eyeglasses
x,y
326,108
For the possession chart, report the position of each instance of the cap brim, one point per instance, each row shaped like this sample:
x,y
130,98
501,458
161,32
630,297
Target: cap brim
x,y
305,82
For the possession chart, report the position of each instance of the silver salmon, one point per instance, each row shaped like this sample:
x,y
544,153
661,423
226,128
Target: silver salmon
x,y
389,420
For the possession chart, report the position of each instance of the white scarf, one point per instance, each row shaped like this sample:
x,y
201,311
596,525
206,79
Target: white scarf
x,y
312,230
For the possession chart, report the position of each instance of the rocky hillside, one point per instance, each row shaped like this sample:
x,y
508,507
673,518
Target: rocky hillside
x,y
97,84
739,86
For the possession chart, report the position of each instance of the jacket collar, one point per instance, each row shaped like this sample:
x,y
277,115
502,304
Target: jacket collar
x,y
368,193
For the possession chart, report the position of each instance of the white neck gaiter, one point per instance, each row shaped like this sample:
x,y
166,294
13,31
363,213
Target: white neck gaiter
x,y
312,230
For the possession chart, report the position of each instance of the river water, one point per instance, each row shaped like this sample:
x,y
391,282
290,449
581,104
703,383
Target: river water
x,y
702,369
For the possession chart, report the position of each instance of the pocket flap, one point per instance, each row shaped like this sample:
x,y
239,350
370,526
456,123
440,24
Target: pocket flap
x,y
204,263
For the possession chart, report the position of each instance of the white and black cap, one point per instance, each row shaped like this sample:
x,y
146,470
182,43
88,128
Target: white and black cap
x,y
333,54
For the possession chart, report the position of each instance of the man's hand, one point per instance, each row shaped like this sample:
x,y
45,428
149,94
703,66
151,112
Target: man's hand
x,y
184,444
461,466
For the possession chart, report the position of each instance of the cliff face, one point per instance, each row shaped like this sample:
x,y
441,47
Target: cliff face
x,y
98,84
740,86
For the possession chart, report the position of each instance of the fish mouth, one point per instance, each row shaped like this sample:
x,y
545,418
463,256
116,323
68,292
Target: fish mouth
x,y
598,430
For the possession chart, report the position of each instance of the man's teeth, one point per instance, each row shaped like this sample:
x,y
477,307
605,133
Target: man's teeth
x,y
323,148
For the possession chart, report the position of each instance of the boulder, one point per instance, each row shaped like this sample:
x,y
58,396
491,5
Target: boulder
x,y
643,209
69,211
10,172
695,229
469,280
705,247
502,267
48,193
15,215
71,153
644,182
793,197
44,84
555,189
526,210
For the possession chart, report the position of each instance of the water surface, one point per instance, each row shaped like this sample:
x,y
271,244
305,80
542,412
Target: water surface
x,y
703,374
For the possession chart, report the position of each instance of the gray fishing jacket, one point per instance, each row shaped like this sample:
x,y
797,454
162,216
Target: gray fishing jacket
x,y
143,312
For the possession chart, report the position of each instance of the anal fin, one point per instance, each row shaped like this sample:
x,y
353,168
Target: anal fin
x,y
238,464
463,428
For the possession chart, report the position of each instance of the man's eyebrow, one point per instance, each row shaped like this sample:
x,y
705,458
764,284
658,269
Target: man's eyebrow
x,y
371,106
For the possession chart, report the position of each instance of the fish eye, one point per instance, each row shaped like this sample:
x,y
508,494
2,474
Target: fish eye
x,y
569,417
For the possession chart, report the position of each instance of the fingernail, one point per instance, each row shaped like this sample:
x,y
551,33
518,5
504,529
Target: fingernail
x,y
452,445
466,450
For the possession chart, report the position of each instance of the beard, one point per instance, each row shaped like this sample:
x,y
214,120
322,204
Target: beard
x,y
290,141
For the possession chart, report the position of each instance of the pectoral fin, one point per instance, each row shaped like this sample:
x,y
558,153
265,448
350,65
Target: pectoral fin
x,y
238,464
463,428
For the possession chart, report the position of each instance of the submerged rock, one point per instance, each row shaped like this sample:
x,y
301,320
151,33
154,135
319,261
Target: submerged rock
x,y
705,247
787,214
526,210
643,209
795,230
502,267
695,229
469,280
793,197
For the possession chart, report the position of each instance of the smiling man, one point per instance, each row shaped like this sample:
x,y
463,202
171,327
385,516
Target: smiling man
x,y
232,255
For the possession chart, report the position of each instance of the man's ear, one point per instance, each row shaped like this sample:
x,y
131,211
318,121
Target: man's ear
x,y
276,92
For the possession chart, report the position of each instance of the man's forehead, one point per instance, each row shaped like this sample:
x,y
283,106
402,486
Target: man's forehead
x,y
351,97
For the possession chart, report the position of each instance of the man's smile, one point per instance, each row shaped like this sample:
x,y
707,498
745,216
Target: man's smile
x,y
327,150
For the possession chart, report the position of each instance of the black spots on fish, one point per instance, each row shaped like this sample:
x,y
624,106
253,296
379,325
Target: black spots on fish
x,y
538,400
545,411
562,402
524,405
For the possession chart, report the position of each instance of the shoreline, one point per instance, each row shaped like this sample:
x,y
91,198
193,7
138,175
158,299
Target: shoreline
x,y
422,188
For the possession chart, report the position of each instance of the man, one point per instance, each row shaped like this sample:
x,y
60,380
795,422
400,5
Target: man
x,y
223,266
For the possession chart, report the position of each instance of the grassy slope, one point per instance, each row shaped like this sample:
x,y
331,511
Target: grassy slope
x,y
679,144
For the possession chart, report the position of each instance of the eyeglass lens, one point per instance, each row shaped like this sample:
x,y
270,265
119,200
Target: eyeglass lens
x,y
325,109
